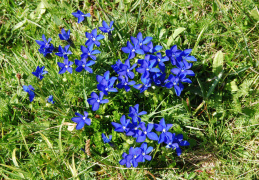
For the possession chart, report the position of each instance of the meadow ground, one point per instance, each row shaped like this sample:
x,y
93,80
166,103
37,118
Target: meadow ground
x,y
218,113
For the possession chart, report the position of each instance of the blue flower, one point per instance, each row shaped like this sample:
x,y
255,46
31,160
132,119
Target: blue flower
x,y
135,156
133,130
160,61
96,100
162,127
174,81
93,38
144,152
146,132
50,99
81,16
141,41
126,160
89,52
83,64
146,84
106,28
183,68
105,83
186,55
175,142
30,90
131,50
158,78
174,54
63,52
126,70
147,66
116,67
123,127
149,48
44,44
105,139
65,66
64,35
39,72
81,120
134,113
124,83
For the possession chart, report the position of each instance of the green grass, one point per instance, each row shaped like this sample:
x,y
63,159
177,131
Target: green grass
x,y
218,113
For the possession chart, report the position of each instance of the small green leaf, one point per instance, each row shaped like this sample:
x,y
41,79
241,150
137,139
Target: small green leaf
x,y
19,25
162,32
178,31
217,66
255,14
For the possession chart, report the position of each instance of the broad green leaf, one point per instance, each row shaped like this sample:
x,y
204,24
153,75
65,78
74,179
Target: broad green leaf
x,y
217,66
178,31
19,25
255,14
170,41
162,32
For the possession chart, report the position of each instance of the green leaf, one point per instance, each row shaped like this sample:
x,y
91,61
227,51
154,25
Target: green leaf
x,y
162,32
217,66
178,31
255,14
19,25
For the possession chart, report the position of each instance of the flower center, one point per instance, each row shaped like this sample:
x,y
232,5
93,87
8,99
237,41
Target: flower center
x,y
106,89
143,154
127,70
140,44
125,84
83,118
98,100
133,50
164,130
169,143
66,66
136,128
174,83
135,156
147,69
159,60
182,70
83,65
124,127
145,132
93,39
88,54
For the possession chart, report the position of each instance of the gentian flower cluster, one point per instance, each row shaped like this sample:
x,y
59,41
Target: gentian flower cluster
x,y
45,46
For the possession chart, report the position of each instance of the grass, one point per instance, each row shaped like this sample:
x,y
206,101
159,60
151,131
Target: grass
x,y
217,113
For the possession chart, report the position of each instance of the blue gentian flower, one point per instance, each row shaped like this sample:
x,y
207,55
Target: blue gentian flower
x,y
105,139
160,61
30,90
126,160
126,70
106,28
186,55
44,44
149,48
116,67
89,52
134,113
123,127
65,66
105,83
80,15
81,120
174,81
146,67
46,51
143,41
63,52
175,142
146,132
131,50
133,130
135,153
124,83
183,68
146,84
144,152
39,72
93,38
64,35
96,100
162,127
174,54
50,99
83,64
158,78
